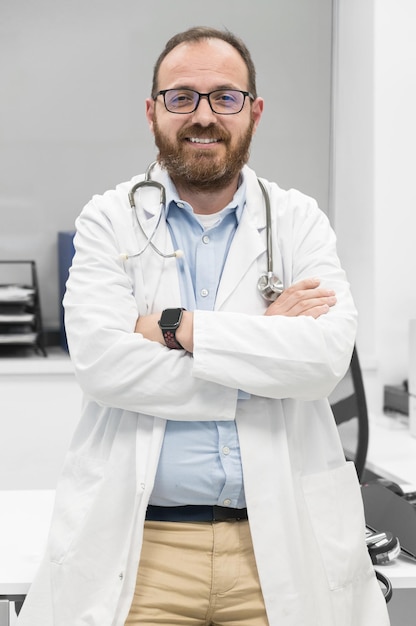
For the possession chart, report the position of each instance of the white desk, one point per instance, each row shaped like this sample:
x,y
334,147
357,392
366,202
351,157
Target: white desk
x,y
24,525
42,402
392,454
392,450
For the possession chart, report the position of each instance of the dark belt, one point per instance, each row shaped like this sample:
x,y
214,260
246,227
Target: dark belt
x,y
194,513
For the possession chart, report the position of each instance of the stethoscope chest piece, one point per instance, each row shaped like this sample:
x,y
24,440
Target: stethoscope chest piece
x,y
270,286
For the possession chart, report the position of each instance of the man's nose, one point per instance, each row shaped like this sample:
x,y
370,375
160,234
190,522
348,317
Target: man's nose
x,y
204,114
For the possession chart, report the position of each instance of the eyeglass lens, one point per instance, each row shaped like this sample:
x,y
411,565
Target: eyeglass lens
x,y
223,101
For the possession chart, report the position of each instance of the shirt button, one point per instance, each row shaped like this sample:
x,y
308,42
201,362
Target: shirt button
x,y
227,502
205,239
226,450
180,205
204,293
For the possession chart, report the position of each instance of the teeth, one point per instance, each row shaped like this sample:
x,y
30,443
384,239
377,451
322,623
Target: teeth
x,y
198,140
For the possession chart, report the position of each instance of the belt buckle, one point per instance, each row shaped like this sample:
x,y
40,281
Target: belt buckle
x,y
219,514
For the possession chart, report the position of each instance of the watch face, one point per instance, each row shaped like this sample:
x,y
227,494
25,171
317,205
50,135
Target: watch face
x,y
170,318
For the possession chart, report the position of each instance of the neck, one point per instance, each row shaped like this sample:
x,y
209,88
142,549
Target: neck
x,y
206,202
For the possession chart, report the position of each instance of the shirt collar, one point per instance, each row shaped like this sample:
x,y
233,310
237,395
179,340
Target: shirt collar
x,y
237,203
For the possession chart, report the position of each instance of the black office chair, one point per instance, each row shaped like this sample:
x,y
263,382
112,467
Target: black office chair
x,y
349,406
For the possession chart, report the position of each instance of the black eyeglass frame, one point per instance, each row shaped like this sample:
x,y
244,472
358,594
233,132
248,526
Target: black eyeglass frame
x,y
162,92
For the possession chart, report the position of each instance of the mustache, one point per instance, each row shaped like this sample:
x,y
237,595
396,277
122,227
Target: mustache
x,y
204,132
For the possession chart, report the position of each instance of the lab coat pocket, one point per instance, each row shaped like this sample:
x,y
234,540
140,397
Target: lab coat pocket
x,y
79,483
336,516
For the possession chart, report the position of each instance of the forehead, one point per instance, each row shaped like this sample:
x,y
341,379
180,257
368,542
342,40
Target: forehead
x,y
209,62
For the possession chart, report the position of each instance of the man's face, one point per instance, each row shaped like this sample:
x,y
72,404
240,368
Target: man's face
x,y
203,66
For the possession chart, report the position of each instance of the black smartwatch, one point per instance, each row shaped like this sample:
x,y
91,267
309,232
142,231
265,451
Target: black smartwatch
x,y
169,323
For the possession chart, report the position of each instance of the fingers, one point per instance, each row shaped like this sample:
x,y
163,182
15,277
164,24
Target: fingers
x,y
317,311
304,298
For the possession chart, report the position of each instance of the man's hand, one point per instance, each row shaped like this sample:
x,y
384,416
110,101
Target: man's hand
x,y
303,298
147,325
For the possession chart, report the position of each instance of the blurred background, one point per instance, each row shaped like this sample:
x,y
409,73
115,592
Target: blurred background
x,y
339,84
75,75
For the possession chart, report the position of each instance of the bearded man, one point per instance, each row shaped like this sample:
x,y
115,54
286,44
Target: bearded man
x,y
208,318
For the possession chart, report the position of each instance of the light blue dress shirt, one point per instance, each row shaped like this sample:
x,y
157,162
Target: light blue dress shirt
x,y
200,462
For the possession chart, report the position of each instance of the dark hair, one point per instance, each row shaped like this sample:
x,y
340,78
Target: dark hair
x,y
199,33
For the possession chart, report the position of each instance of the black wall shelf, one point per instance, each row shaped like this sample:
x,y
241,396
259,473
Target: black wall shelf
x,y
20,312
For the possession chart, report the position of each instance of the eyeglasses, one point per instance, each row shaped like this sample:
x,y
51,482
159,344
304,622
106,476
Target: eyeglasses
x,y
221,101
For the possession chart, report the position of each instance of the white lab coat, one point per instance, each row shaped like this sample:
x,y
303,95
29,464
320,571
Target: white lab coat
x,y
304,502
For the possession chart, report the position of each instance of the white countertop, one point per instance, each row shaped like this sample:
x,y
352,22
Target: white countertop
x,y
24,525
392,449
57,362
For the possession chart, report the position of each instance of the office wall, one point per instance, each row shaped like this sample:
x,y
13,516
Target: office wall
x,y
374,189
353,158
75,74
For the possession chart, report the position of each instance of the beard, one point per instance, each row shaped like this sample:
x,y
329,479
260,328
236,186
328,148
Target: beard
x,y
200,170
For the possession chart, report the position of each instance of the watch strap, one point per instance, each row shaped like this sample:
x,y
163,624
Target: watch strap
x,y
170,340
169,328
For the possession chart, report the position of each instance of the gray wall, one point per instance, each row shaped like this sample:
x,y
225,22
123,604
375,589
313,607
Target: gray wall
x,y
74,77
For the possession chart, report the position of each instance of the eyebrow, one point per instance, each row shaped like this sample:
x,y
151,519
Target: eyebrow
x,y
218,88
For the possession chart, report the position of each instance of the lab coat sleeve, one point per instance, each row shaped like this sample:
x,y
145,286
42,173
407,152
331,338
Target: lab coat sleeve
x,y
115,366
279,356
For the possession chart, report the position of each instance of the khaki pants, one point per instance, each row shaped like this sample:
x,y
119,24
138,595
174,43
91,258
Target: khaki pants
x,y
197,574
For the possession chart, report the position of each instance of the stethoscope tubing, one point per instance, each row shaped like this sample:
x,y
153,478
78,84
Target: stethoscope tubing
x,y
148,182
269,285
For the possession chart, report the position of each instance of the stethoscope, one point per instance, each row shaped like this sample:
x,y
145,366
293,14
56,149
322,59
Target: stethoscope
x,y
269,285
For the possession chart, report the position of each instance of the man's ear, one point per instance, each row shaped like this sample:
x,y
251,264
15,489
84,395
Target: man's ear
x,y
150,110
256,112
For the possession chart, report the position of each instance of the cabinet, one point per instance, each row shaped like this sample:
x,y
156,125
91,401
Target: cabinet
x,y
42,401
20,312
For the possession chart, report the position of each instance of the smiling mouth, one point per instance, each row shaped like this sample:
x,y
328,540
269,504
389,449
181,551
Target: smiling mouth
x,y
201,140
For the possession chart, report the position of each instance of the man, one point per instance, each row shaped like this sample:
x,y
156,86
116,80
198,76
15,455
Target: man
x,y
206,483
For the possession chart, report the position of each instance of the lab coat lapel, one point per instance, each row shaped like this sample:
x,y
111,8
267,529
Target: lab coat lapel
x,y
246,247
248,244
